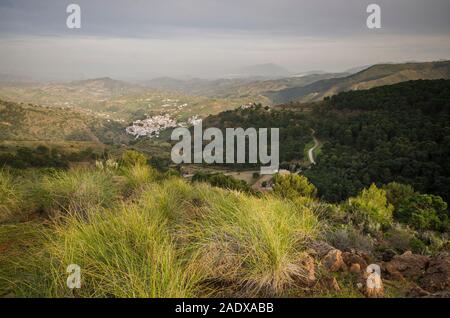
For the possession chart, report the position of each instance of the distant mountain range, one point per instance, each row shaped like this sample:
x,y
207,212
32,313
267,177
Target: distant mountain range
x,y
377,75
357,69
105,84
268,70
125,100
11,78
306,87
237,87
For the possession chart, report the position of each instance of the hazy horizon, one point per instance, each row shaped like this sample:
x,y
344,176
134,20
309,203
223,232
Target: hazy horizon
x,y
141,40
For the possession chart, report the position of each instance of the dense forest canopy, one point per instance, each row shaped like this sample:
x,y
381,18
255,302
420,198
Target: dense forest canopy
x,y
391,133
294,128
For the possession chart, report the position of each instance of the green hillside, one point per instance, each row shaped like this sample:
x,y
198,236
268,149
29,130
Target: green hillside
x,y
113,99
28,122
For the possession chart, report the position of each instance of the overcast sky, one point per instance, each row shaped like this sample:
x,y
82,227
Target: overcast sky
x,y
138,39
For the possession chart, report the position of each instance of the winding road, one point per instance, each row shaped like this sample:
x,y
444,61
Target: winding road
x,y
311,150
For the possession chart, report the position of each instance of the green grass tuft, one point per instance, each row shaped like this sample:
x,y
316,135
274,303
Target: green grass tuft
x,y
254,245
11,196
77,190
173,239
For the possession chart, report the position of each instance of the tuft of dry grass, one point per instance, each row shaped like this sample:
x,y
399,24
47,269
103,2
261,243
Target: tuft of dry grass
x,y
11,196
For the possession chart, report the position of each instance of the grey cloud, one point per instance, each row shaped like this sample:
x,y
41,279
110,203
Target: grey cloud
x,y
140,18
210,38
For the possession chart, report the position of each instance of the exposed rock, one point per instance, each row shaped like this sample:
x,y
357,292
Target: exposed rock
x,y
407,265
416,291
320,248
395,275
353,258
442,294
365,256
437,276
308,277
388,255
355,268
331,284
333,261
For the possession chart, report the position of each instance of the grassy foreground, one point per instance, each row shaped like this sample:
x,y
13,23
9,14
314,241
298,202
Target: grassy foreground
x,y
136,234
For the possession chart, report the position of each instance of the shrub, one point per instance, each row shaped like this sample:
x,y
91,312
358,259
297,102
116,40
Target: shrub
x,y
425,212
417,246
396,193
399,238
434,241
371,209
161,164
133,157
138,176
222,181
293,185
171,173
347,238
77,191
403,238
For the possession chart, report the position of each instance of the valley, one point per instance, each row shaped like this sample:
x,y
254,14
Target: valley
x,y
117,100
224,156
363,179
115,114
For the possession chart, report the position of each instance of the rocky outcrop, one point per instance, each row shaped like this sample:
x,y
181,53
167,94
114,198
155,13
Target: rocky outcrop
x,y
331,284
429,277
437,276
406,266
416,291
333,261
425,276
308,277
320,248
355,268
354,261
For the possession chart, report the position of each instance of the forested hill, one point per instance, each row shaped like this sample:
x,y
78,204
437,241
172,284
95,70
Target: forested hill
x,y
429,96
391,133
